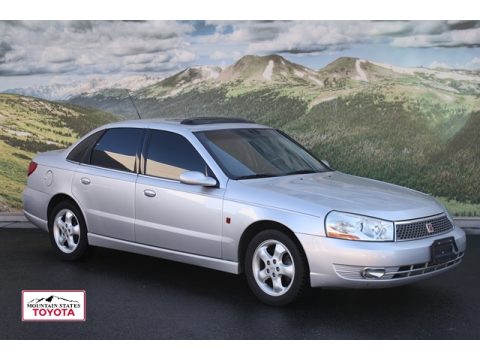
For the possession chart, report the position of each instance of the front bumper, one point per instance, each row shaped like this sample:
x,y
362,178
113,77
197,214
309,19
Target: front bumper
x,y
339,263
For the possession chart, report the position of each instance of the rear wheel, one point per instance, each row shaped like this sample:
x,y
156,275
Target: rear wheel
x,y
275,268
68,232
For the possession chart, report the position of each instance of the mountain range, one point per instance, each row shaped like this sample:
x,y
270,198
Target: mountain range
x,y
64,91
416,127
50,299
258,70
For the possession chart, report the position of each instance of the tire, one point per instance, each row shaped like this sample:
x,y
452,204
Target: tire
x,y
276,268
68,231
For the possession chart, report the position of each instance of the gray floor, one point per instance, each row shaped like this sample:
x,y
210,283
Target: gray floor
x,y
135,297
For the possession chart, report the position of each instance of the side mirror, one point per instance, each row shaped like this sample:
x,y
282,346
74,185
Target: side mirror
x,y
326,163
197,178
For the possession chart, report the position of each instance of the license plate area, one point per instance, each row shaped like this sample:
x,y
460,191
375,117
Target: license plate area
x,y
443,251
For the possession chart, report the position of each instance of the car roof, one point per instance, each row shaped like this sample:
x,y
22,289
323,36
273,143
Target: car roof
x,y
189,124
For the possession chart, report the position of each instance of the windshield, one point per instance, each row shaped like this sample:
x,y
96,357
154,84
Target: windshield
x,y
254,153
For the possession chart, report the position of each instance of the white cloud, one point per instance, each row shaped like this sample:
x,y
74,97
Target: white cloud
x,y
472,64
83,47
475,61
56,54
455,38
219,55
320,36
438,64
224,55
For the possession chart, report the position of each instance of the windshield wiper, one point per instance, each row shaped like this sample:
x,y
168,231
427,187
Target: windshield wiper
x,y
304,171
264,175
256,176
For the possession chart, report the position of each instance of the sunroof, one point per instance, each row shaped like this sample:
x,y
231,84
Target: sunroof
x,y
215,120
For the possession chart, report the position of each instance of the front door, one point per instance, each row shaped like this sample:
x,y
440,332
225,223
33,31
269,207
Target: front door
x,y
172,215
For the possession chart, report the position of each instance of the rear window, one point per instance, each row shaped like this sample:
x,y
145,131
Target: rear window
x,y
117,149
81,152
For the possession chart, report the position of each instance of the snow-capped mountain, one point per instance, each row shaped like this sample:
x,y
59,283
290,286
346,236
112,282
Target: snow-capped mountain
x,y
267,68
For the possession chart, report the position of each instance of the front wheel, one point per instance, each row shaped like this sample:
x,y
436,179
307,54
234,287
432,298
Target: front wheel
x,y
68,232
275,267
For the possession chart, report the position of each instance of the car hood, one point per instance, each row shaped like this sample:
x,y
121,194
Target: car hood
x,y
317,194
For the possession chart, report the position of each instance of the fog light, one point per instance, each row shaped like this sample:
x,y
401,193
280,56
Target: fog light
x,y
373,273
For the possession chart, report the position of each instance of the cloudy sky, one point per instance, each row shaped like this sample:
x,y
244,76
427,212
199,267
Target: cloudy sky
x,y
46,52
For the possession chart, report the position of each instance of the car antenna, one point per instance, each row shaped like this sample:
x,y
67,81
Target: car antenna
x,y
133,103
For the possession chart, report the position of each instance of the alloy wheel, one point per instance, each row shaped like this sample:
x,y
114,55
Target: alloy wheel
x,y
66,231
273,267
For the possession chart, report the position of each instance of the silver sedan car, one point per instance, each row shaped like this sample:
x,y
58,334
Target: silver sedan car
x,y
236,196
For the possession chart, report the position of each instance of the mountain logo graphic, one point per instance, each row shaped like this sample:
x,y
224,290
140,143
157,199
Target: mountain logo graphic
x,y
50,299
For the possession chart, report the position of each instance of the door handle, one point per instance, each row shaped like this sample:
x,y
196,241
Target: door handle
x,y
149,193
85,181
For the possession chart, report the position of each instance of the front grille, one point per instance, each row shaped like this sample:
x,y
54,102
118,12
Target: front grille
x,y
425,268
395,272
417,229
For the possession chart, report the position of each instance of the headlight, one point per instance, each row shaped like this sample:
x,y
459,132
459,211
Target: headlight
x,y
357,227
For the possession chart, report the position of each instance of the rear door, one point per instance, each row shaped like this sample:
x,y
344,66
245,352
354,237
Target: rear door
x,y
172,215
104,185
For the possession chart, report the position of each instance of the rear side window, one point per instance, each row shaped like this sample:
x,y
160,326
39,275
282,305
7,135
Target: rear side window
x,y
81,152
169,155
117,149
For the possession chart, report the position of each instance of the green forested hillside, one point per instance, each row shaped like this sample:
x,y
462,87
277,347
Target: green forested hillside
x,y
394,141
29,125
458,173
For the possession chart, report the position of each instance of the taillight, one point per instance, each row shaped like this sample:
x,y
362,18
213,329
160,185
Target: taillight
x,y
31,168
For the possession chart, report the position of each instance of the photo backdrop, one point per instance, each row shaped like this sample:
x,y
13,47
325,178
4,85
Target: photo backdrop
x,y
359,95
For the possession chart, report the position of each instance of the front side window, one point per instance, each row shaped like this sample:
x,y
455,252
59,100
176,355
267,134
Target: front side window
x,y
117,149
254,153
169,155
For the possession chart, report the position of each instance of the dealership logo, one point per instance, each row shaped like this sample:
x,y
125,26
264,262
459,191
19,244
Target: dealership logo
x,y
53,305
429,227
